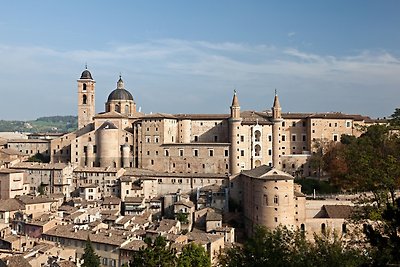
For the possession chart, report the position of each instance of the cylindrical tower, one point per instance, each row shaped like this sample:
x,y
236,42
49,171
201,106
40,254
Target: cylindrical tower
x,y
125,156
108,145
90,155
185,131
277,122
235,122
268,198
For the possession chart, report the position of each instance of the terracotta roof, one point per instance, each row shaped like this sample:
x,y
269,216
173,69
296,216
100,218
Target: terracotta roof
x,y
213,216
40,166
11,205
7,171
187,203
28,141
35,200
104,236
111,114
134,199
142,173
96,169
338,211
252,117
165,225
111,200
15,261
134,245
267,173
203,116
158,116
213,188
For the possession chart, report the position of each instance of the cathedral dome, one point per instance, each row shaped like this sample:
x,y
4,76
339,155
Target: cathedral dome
x,y
86,75
120,93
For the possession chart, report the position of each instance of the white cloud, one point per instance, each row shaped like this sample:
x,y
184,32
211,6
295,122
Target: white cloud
x,y
291,34
205,71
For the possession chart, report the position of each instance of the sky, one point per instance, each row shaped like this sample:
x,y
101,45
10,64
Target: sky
x,y
188,56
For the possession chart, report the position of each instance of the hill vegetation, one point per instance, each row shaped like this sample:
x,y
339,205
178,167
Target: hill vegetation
x,y
54,124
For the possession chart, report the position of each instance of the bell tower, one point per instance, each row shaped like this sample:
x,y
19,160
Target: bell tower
x,y
86,109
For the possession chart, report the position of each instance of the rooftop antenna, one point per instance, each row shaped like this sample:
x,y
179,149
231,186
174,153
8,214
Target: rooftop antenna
x,y
276,92
85,65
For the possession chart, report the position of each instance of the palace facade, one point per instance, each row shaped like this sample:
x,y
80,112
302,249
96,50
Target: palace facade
x,y
195,143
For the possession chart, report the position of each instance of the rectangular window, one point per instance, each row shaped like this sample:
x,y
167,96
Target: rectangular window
x,y
242,153
283,124
304,137
181,153
195,152
196,138
226,153
283,138
242,138
269,138
294,124
269,152
335,137
166,152
293,137
211,153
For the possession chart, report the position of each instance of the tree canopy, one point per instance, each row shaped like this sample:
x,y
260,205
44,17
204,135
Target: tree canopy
x,y
90,258
369,163
285,247
159,253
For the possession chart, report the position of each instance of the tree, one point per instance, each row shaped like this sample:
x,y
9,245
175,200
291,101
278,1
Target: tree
x,y
384,237
369,163
193,255
395,118
316,161
90,258
182,217
284,247
157,253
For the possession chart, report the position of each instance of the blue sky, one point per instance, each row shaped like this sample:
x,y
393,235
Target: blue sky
x,y
188,56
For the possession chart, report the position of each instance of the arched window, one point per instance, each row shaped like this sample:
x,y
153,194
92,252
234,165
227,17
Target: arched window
x,y
323,228
126,139
257,135
126,109
117,108
84,99
90,139
84,87
302,227
257,150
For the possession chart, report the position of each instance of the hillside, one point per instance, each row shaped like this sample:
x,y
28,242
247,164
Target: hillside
x,y
43,124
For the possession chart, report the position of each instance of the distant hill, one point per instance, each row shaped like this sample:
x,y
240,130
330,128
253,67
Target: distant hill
x,y
53,124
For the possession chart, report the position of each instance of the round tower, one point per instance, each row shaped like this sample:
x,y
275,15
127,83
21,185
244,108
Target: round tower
x,y
234,129
125,156
109,151
90,155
